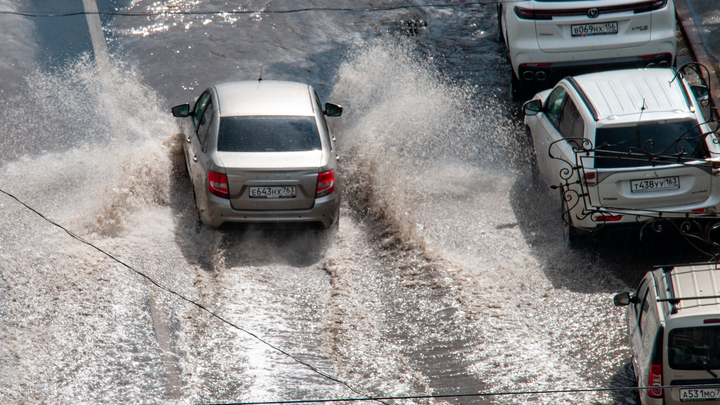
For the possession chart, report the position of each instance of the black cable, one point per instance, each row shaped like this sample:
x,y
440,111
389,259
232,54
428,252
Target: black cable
x,y
234,12
182,297
440,396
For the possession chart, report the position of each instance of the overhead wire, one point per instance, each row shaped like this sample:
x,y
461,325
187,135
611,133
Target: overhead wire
x,y
172,12
299,361
182,297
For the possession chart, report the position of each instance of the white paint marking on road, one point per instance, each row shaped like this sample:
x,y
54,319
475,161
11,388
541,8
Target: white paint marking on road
x,y
97,36
162,331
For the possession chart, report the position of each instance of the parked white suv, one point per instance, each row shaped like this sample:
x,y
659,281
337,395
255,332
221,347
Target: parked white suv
x,y
625,146
549,39
673,321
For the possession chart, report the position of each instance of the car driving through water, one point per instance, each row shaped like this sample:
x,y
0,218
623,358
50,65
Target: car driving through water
x,y
261,151
625,146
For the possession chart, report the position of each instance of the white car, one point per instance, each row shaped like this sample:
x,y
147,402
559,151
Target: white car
x,y
673,323
261,151
550,39
625,146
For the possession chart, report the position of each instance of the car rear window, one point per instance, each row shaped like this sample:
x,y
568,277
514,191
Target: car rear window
x,y
268,134
696,348
649,144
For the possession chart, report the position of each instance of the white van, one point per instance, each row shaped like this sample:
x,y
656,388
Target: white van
x,y
673,321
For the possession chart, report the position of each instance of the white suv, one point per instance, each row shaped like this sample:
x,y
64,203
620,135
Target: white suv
x,y
625,146
549,39
673,321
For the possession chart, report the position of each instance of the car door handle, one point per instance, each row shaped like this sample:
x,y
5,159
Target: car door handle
x,y
194,158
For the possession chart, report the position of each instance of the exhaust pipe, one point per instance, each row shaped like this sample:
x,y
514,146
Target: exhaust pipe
x,y
528,75
651,65
664,64
540,75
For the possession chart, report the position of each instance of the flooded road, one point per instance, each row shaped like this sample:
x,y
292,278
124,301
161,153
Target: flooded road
x,y
448,275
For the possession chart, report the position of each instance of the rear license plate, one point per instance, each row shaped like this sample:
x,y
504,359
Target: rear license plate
x,y
699,394
662,184
272,192
585,30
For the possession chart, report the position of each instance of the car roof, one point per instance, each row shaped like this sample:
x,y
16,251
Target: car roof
x,y
635,95
689,283
264,97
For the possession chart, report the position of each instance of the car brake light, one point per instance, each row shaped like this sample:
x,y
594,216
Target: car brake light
x,y
607,218
716,168
528,14
325,184
590,178
698,211
657,4
218,184
655,380
713,320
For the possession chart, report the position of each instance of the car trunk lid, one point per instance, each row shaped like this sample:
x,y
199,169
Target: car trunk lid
x,y
654,187
592,25
272,180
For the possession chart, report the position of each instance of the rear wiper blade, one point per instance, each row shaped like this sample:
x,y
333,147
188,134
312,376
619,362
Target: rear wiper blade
x,y
706,368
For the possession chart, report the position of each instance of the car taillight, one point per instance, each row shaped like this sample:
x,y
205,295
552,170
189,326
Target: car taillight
x,y
325,184
655,380
590,178
529,14
657,4
218,184
716,168
607,218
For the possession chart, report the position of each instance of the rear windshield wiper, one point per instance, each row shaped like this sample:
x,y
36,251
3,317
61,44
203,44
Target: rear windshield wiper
x,y
706,368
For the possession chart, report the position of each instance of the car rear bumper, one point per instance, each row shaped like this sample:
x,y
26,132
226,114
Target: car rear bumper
x,y
534,67
325,211
708,210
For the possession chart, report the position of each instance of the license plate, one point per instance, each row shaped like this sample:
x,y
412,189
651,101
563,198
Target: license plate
x,y
699,394
272,192
662,184
585,30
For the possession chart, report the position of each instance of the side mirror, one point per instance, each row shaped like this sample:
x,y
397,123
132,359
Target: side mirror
x,y
182,110
702,94
622,299
532,107
333,110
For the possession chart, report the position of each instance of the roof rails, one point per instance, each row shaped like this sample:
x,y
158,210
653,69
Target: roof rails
x,y
673,299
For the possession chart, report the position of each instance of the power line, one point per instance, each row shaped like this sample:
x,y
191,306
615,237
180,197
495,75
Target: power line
x,y
479,394
242,12
182,297
309,366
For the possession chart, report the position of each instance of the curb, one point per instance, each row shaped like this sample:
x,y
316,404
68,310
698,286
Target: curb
x,y
697,46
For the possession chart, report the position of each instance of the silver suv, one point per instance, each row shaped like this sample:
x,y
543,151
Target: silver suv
x,y
673,321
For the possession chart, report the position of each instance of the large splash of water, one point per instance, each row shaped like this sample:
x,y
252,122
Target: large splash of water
x,y
405,125
86,145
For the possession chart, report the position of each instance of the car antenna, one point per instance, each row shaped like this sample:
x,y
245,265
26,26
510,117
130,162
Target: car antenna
x,y
260,78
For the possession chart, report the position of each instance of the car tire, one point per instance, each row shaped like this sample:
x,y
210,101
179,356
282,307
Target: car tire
x,y
574,237
501,35
534,170
516,87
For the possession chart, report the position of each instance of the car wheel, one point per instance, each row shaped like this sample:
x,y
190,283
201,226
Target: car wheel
x,y
534,171
516,87
501,35
575,238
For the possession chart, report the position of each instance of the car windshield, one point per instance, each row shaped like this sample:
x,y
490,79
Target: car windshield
x,y
695,348
268,134
652,144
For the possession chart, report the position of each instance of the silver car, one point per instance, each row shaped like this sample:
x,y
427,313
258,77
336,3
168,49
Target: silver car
x,y
261,151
